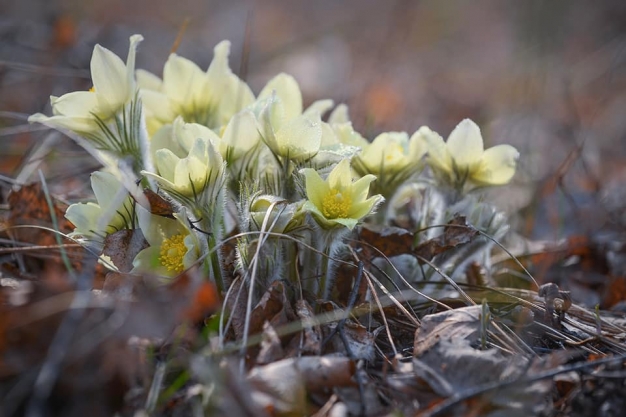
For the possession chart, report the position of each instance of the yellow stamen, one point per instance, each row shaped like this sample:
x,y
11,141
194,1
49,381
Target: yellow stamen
x,y
336,205
92,89
172,252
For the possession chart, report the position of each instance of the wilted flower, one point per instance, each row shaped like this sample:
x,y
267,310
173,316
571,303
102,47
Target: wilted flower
x,y
338,200
173,248
208,98
463,159
113,211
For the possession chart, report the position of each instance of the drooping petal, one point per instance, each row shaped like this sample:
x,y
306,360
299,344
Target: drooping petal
x,y
77,124
75,104
465,144
497,166
288,91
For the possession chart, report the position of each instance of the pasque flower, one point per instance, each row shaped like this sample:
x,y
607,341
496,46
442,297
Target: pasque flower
x,y
338,201
462,159
173,248
113,87
189,176
112,211
393,158
287,130
208,98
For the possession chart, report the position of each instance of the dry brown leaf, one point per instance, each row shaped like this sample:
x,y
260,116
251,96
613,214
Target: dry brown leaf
x,y
122,247
393,241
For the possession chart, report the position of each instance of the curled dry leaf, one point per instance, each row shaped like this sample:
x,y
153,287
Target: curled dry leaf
x,y
393,241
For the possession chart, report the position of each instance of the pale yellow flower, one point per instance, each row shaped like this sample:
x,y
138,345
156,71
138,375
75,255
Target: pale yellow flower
x,y
188,177
112,211
208,98
174,246
338,201
285,128
283,218
113,87
462,159
391,153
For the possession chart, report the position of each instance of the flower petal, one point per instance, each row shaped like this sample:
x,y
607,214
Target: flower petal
x,y
84,216
497,166
341,176
166,162
363,208
182,78
360,188
465,144
105,187
147,261
299,138
148,80
339,115
75,104
288,91
110,79
241,134
319,107
233,93
316,187
438,155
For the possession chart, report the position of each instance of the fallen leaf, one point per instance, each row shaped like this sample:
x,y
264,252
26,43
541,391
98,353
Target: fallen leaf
x,y
122,247
392,241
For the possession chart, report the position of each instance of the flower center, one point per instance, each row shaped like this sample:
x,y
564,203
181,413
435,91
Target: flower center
x,y
336,205
172,252
92,89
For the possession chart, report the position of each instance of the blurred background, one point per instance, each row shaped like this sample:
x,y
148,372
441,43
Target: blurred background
x,y
548,77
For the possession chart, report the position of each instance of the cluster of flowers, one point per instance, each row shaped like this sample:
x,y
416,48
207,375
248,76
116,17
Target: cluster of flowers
x,y
203,141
